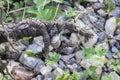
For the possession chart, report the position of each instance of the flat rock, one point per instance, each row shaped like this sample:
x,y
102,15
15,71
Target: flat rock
x,y
110,26
20,73
74,39
30,62
49,76
58,72
34,48
115,13
39,40
79,55
45,70
67,57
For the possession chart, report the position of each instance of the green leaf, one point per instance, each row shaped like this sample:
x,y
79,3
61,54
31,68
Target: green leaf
x,y
93,68
26,38
118,21
86,73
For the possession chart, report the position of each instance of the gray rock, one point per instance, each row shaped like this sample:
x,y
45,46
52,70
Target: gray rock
x,y
66,58
3,47
102,13
115,12
109,55
90,41
74,39
39,77
85,63
115,75
49,76
58,72
79,55
110,26
75,65
114,50
97,6
55,41
11,64
62,64
101,36
34,48
72,60
30,62
104,45
45,70
39,65
39,40
24,42
93,19
112,42
68,50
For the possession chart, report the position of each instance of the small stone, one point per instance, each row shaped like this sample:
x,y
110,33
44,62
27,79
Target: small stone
x,y
114,50
11,64
68,50
110,26
55,41
58,72
49,76
45,70
24,42
30,62
62,64
115,13
101,36
102,13
93,19
112,42
67,57
39,40
75,65
39,65
39,77
98,70
34,48
109,55
72,60
85,63
118,54
104,45
74,39
20,73
115,75
3,47
97,6
79,55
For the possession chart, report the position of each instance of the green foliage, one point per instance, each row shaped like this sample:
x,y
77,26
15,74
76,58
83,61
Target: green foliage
x,y
94,51
116,65
71,12
42,11
118,21
91,72
4,78
30,53
53,59
26,38
67,76
109,77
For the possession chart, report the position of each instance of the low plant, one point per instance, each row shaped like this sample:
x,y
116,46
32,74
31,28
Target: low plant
x,y
67,76
53,58
109,77
91,72
115,65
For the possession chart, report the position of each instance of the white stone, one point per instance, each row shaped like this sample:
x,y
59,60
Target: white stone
x,y
110,26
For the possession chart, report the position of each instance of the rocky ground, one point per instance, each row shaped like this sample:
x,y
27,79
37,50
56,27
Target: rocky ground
x,y
105,34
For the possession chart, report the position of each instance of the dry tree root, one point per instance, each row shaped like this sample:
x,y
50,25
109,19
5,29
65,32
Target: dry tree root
x,y
33,27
